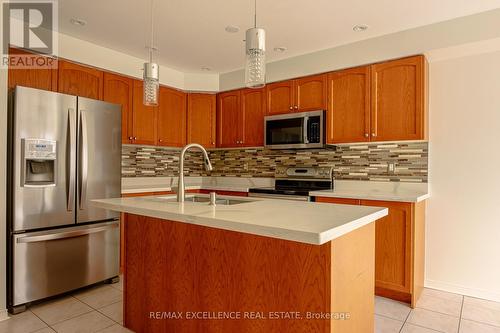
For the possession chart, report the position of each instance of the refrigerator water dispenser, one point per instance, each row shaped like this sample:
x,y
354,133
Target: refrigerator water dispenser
x,y
39,163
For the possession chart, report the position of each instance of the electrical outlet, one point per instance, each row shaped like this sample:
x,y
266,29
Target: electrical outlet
x,y
391,167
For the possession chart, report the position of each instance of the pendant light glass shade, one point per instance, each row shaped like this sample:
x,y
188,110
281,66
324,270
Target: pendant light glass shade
x,y
151,84
255,66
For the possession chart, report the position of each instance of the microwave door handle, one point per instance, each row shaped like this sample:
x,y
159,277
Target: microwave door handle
x,y
70,164
306,129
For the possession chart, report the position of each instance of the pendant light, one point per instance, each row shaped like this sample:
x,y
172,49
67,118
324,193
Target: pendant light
x,y
151,74
255,66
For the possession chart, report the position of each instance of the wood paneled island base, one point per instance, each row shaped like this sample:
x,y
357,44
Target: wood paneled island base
x,y
181,277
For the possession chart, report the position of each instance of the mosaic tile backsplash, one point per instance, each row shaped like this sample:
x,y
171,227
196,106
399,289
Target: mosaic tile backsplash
x,y
353,162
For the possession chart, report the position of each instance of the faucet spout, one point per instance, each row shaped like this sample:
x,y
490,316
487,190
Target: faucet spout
x,y
180,182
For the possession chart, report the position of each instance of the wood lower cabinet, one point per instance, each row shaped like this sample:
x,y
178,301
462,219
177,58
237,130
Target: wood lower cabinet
x,y
253,110
172,118
348,112
79,80
40,78
144,119
119,89
399,248
399,100
201,119
228,119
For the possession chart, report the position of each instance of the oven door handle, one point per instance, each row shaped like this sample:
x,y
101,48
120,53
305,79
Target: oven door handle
x,y
278,196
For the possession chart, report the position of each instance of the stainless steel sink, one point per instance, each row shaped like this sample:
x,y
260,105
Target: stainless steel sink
x,y
203,199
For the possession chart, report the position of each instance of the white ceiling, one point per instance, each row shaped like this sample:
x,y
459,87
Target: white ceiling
x,y
190,33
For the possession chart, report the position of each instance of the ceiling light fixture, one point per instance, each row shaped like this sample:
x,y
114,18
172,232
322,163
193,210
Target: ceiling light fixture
x,y
151,74
280,49
360,27
255,66
77,21
232,29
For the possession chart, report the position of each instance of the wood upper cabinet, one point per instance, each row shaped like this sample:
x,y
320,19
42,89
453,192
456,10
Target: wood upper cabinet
x,y
119,89
253,109
299,95
228,119
280,97
201,115
80,80
311,93
348,112
172,117
39,78
144,119
393,250
399,100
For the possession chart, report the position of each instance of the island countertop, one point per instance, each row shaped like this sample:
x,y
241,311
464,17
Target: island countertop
x,y
305,222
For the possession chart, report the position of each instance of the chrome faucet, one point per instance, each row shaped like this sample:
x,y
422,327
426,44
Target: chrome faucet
x,y
180,182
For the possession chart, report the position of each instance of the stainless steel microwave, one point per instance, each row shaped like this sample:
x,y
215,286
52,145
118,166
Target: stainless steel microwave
x,y
295,130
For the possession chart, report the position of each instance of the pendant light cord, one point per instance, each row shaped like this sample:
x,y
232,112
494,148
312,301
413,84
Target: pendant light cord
x,y
255,15
152,34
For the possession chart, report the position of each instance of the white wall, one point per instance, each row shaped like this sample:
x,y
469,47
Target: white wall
x,y
414,41
463,217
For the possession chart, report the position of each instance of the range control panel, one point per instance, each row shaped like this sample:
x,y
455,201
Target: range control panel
x,y
40,149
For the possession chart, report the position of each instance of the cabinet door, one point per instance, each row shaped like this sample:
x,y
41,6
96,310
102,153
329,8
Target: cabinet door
x,y
80,80
228,119
311,93
172,118
398,100
119,90
348,115
144,119
280,97
393,241
253,109
42,78
201,124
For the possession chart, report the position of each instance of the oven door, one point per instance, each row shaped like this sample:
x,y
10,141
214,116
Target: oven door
x,y
296,130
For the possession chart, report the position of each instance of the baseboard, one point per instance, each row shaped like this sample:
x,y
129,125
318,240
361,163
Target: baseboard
x,y
4,314
457,289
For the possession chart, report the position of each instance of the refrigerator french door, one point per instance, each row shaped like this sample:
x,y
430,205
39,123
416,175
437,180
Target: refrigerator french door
x,y
64,151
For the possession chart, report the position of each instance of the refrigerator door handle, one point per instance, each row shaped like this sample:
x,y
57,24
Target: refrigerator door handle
x,y
71,158
67,234
84,159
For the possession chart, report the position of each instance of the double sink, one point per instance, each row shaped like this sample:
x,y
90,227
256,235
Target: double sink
x,y
201,199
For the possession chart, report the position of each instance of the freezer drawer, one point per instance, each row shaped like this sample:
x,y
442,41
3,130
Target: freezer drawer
x,y
52,262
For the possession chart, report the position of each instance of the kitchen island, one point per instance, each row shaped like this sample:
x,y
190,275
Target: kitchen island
x,y
247,265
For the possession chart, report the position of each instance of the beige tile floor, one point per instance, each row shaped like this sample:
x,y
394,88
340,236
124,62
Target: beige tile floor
x,y
99,309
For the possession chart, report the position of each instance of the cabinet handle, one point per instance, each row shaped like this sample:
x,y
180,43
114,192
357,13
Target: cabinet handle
x,y
374,135
159,140
296,107
291,107
367,135
130,138
135,138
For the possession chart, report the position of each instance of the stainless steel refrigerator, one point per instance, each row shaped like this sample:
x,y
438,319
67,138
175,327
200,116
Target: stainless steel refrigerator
x,y
64,151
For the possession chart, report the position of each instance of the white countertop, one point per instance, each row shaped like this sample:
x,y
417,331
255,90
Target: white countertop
x,y
306,222
370,190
